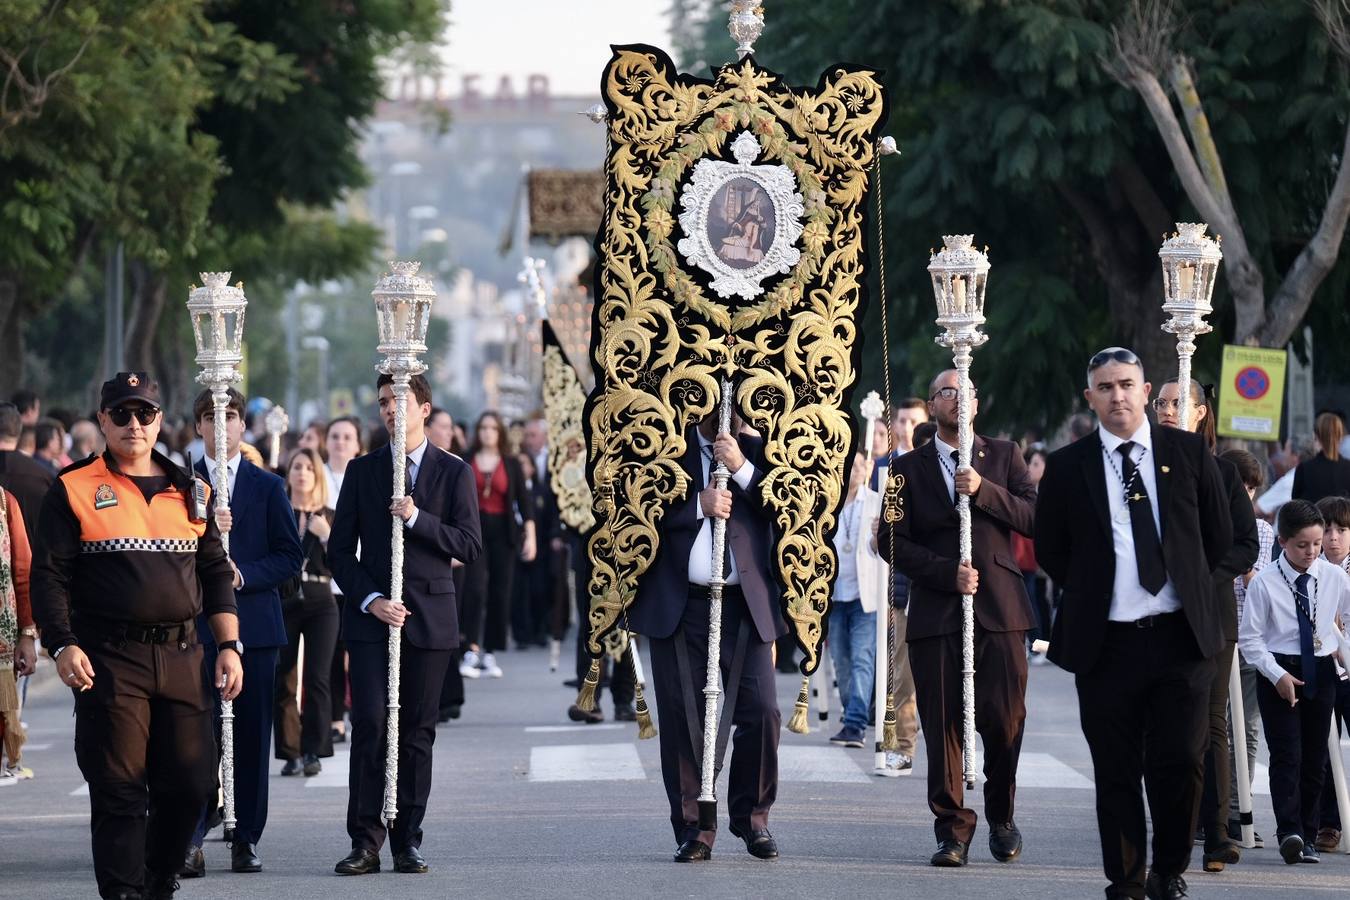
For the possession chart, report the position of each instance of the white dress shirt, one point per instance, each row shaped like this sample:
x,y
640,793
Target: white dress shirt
x,y
414,468
700,555
847,538
1270,619
1129,600
231,469
946,464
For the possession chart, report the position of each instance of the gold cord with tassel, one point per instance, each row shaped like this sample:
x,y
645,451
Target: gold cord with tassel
x,y
799,723
646,730
586,696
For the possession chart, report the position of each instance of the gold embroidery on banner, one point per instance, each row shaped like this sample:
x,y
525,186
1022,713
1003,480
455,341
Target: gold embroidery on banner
x,y
663,341
564,401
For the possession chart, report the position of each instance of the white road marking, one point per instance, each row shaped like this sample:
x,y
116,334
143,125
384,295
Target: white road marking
x,y
822,764
1042,770
36,748
586,762
81,791
555,729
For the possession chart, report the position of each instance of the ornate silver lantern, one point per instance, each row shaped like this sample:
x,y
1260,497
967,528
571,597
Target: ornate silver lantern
x,y
1190,260
276,423
403,302
959,273
217,311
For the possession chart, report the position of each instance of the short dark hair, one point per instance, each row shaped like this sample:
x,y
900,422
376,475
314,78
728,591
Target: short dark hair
x,y
436,411
1110,355
923,433
909,403
11,422
421,388
1335,510
204,404
1295,516
1034,451
1248,466
25,400
46,430
355,423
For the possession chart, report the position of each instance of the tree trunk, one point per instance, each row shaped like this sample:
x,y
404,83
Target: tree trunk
x,y
11,337
148,293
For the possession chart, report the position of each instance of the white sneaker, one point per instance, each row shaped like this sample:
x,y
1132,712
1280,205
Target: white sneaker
x,y
18,772
7,779
468,667
898,764
490,667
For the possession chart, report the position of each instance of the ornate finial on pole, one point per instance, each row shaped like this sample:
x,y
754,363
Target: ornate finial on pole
x,y
534,285
276,423
1190,260
403,302
746,24
596,113
959,273
217,312
886,146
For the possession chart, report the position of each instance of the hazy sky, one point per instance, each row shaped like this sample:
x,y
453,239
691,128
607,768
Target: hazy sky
x,y
567,40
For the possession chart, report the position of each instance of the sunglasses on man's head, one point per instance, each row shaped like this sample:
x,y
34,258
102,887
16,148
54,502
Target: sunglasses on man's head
x,y
1114,354
121,415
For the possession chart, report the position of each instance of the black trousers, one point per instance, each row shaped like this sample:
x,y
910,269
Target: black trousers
x,y
1297,739
753,779
421,675
337,675
1143,711
1214,792
1331,813
1000,714
488,586
143,742
306,730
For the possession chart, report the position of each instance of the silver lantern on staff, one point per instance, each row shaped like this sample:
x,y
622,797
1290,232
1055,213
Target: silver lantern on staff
x,y
276,424
403,302
217,311
1190,260
959,273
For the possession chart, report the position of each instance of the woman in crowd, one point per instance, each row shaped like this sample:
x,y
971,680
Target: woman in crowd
x,y
303,734
1025,550
18,636
507,519
1326,474
342,440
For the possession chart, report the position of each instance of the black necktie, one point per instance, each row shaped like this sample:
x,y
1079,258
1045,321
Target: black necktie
x,y
1302,604
955,462
726,543
1148,555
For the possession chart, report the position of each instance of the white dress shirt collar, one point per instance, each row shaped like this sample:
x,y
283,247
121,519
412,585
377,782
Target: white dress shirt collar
x,y
1142,437
231,469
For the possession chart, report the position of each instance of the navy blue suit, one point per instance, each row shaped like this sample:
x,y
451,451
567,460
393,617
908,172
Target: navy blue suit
x,y
446,528
265,547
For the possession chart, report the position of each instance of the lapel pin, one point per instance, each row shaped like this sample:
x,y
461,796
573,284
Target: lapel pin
x,y
1165,469
981,454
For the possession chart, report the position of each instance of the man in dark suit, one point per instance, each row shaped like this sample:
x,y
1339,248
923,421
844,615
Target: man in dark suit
x,y
440,519
265,553
926,542
1131,522
672,610
28,481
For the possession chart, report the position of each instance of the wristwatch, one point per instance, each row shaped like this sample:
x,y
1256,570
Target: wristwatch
x,y
236,646
30,631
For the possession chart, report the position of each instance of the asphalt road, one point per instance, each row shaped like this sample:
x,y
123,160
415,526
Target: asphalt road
x,y
526,804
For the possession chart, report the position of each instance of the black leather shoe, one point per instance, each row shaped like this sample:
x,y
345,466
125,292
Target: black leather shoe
x,y
312,765
410,862
194,866
339,737
693,851
359,862
758,842
577,714
1224,854
292,767
625,714
1005,842
227,835
1165,887
244,858
157,887
950,854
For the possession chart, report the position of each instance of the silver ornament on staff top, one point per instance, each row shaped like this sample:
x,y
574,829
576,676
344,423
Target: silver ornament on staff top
x,y
746,24
1190,260
959,273
403,302
217,311
276,423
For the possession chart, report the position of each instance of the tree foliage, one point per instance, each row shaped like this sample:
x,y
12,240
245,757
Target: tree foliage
x,y
1011,127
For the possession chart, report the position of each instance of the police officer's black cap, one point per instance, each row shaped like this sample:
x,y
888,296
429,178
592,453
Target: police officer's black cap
x,y
127,386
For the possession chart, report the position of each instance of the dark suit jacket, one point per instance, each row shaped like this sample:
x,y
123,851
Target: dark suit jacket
x,y
927,540
1246,545
266,547
1320,477
28,481
664,588
1075,547
447,528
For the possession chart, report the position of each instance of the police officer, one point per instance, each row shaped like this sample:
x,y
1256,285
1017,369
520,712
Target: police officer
x,y
125,560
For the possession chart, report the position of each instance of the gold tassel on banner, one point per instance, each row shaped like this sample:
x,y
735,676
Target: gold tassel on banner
x,y
586,696
646,730
798,724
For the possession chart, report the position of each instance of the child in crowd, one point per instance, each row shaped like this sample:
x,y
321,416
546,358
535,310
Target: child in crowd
x,y
1289,633
1335,550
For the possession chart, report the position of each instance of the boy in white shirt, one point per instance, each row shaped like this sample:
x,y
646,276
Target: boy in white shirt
x,y
1289,633
1335,550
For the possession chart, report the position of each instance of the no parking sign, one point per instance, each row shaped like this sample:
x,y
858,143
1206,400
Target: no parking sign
x,y
1251,393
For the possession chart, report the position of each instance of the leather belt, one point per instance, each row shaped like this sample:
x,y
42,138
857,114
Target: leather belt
x,y
1150,621
121,632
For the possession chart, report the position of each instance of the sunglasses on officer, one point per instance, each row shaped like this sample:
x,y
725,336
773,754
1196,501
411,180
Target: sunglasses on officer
x,y
121,415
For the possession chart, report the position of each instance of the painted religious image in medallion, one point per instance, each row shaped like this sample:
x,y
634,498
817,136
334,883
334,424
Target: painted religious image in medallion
x,y
741,223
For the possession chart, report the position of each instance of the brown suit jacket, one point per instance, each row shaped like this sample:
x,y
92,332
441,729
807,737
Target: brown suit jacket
x,y
927,540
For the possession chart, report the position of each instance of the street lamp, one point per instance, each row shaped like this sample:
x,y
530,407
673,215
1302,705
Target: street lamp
x,y
403,309
1190,259
959,273
217,311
